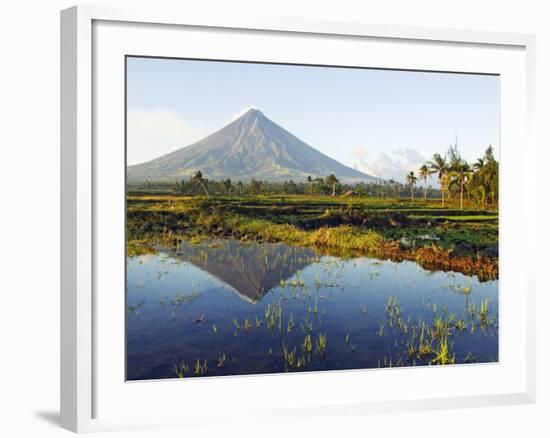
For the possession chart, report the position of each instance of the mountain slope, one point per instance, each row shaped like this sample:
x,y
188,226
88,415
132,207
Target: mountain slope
x,y
252,146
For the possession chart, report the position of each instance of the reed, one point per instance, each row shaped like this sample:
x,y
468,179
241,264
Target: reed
x,y
222,359
201,368
307,344
181,369
321,344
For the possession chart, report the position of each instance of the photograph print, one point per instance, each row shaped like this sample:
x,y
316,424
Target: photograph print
x,y
292,218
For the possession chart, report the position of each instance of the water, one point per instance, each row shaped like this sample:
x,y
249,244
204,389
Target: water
x,y
194,303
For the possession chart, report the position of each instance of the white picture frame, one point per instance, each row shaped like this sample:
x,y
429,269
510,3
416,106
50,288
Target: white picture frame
x,y
81,194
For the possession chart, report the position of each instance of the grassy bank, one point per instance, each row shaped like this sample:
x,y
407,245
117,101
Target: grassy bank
x,y
437,238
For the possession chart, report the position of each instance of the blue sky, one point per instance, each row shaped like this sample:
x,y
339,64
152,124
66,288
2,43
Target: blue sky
x,y
382,122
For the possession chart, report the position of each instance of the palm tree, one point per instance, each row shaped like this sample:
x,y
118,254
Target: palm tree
x,y
479,180
255,186
485,176
411,181
491,173
459,171
423,174
198,179
227,185
310,184
438,165
331,180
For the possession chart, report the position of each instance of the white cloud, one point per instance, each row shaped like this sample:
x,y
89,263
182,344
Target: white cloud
x,y
155,133
393,164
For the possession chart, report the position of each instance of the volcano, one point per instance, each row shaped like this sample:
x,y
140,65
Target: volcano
x,y
252,146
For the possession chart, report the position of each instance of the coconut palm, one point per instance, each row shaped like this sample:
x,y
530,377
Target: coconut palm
x,y
227,186
309,184
411,181
438,165
198,179
459,172
331,180
423,174
491,173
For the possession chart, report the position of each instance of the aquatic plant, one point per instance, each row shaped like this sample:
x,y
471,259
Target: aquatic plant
x,y
290,324
463,290
221,360
289,356
135,308
394,310
321,344
484,311
200,319
307,324
419,345
181,369
307,344
273,315
381,326
179,299
460,325
443,355
315,309
201,368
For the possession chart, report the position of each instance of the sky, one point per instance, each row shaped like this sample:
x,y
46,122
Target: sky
x,y
382,122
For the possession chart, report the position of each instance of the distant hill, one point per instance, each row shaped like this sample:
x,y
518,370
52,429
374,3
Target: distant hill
x,y
251,146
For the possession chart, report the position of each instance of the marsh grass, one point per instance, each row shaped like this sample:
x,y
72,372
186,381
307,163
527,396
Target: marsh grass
x,y
321,344
181,369
307,344
201,368
369,226
179,299
432,342
290,324
273,315
222,359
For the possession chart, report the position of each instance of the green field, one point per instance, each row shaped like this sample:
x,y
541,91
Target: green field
x,y
437,238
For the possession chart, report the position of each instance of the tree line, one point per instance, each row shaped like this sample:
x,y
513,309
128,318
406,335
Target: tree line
x,y
197,184
476,182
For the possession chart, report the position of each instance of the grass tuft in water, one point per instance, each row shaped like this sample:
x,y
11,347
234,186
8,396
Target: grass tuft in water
x,y
181,369
201,368
222,359
321,344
